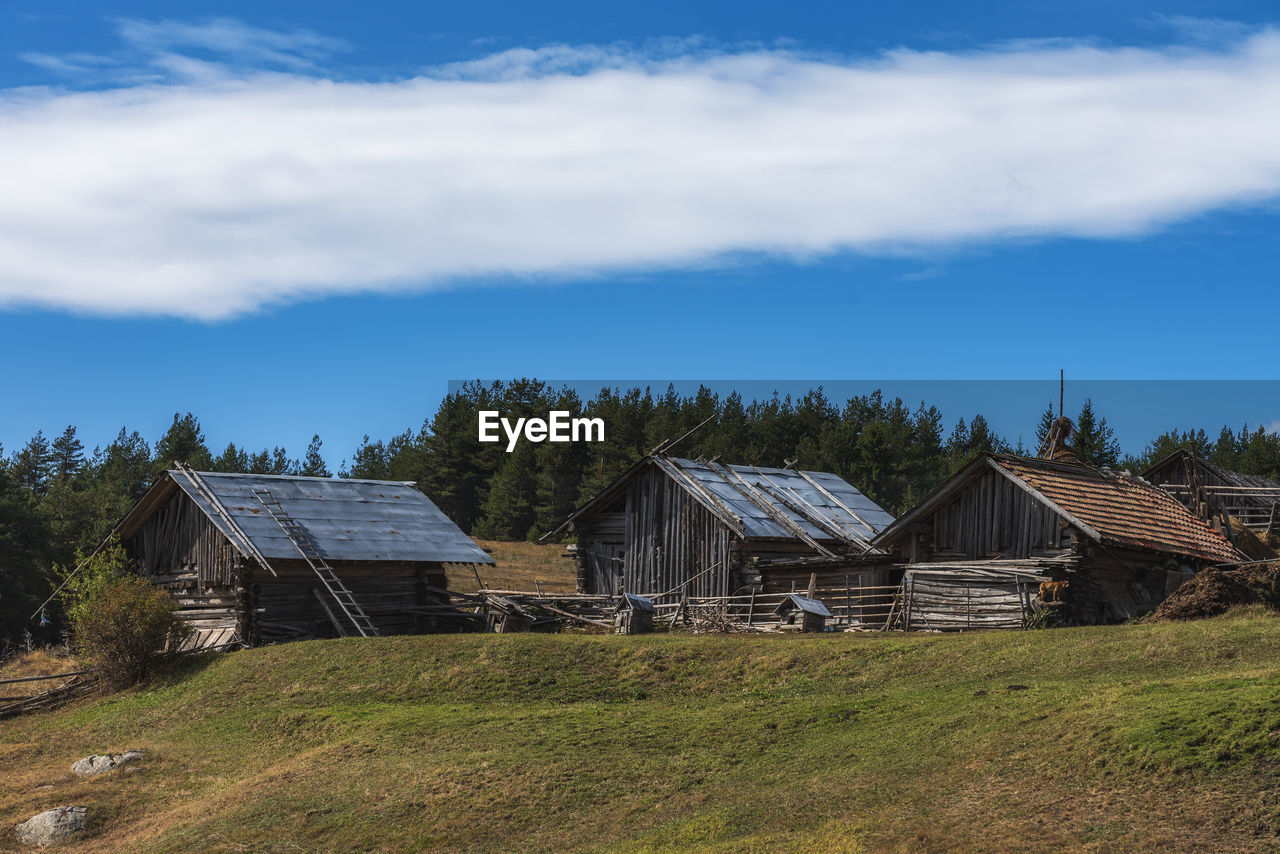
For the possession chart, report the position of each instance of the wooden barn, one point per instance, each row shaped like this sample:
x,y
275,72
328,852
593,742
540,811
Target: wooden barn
x,y
255,559
1209,490
1121,543
704,528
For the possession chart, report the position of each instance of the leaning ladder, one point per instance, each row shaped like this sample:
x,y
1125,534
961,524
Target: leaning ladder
x,y
298,535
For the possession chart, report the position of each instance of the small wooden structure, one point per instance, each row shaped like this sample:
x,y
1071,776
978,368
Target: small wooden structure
x,y
797,612
1120,540
635,615
505,616
962,596
255,559
1209,490
704,528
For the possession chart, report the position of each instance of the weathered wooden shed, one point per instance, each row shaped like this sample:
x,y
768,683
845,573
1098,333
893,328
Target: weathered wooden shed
x,y
706,528
802,613
1123,543
1207,490
254,559
634,615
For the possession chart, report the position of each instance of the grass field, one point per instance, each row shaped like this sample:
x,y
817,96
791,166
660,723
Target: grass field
x,y
1124,738
519,565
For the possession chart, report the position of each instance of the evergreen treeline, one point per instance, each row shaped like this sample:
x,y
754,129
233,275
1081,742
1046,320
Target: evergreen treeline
x,y
56,499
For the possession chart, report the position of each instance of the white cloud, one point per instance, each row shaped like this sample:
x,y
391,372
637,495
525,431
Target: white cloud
x,y
220,191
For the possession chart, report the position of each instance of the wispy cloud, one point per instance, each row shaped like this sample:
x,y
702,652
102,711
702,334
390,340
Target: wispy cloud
x,y
217,192
169,51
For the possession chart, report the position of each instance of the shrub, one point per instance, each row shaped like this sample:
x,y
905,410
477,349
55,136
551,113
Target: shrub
x,y
121,624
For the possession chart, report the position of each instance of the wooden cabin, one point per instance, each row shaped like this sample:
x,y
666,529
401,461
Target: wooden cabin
x,y
1209,490
255,559
1123,543
704,528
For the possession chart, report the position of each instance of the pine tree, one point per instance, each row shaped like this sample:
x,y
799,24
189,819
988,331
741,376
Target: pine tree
x,y
371,461
313,464
184,443
1042,429
559,473
124,466
68,456
983,438
33,465
958,442
459,466
1094,441
1226,451
1260,454
508,509
232,460
24,578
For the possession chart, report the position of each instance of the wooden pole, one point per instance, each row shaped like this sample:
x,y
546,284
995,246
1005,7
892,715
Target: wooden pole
x,y
848,602
328,612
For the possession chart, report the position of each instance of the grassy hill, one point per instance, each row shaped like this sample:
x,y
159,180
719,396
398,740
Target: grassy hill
x,y
1149,737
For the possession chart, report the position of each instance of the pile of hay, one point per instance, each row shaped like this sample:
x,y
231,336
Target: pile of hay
x,y
1252,545
1217,590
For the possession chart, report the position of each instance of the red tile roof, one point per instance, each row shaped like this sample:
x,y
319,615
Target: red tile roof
x,y
1125,511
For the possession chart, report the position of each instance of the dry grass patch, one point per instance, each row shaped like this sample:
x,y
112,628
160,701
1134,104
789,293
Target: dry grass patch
x,y
519,565
40,662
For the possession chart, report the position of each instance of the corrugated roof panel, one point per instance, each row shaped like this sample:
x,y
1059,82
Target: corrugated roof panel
x,y
823,505
349,520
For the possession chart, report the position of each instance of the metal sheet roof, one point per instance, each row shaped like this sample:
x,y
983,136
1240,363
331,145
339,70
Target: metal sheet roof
x,y
823,505
348,520
804,603
638,603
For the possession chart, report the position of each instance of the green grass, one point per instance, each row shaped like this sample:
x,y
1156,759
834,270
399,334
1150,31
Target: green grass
x,y
1145,737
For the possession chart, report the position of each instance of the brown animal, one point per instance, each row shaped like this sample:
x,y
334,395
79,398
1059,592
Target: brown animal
x,y
1051,591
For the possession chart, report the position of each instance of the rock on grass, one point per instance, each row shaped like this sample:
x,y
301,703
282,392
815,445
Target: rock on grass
x,y
91,765
52,825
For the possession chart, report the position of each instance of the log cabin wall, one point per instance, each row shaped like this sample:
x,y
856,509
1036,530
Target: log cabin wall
x,y
394,595
652,540
181,551
1119,584
601,545
993,517
179,538
671,538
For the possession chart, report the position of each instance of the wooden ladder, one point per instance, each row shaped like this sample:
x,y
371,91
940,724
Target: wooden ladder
x,y
302,541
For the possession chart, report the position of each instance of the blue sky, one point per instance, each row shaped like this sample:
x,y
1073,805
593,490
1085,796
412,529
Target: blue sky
x,y
311,219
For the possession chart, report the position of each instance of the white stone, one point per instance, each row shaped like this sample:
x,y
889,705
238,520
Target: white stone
x,y
52,825
101,764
